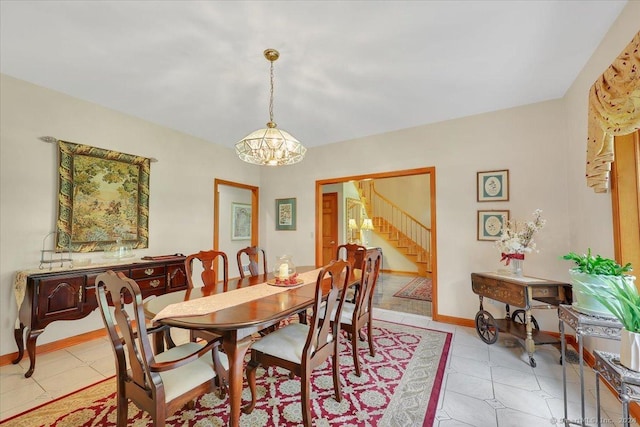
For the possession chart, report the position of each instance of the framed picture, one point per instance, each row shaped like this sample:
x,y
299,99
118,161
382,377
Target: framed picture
x,y
286,214
103,196
493,186
240,221
490,224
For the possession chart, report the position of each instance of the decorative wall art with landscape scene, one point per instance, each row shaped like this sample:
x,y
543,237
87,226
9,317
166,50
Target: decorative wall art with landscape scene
x,y
103,197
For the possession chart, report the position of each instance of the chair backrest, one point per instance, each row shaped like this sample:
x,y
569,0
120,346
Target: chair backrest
x,y
364,296
252,265
209,261
323,336
132,368
352,253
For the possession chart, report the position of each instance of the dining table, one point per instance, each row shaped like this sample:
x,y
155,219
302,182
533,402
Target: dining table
x,y
237,311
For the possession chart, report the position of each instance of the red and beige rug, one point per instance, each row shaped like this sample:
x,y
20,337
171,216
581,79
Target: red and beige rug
x,y
418,288
400,386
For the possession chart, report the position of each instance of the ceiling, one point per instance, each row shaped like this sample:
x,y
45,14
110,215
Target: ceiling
x,y
347,69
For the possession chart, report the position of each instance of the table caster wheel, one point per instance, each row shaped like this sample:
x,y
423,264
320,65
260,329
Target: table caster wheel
x,y
520,316
532,362
486,327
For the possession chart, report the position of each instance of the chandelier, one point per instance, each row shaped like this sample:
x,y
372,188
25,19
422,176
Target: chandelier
x,y
270,146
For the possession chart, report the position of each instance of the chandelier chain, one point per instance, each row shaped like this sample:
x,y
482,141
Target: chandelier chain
x,y
271,96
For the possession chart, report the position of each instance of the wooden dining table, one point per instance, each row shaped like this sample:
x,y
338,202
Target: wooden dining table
x,y
238,323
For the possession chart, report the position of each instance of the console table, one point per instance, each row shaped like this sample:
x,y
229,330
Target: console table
x,y
44,297
625,381
584,325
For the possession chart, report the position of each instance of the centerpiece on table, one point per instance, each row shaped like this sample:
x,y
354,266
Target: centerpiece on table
x,y
516,239
285,271
618,294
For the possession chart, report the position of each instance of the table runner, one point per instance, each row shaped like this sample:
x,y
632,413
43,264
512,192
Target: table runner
x,y
212,303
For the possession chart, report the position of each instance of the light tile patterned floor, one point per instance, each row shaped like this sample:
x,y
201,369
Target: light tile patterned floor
x,y
484,385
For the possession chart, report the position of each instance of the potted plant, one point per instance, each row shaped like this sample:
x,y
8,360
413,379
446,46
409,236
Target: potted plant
x,y
627,310
596,272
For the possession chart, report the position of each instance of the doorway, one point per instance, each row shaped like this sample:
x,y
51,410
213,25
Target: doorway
x,y
227,194
427,213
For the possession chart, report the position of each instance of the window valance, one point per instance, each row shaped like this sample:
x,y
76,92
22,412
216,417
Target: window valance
x,y
614,109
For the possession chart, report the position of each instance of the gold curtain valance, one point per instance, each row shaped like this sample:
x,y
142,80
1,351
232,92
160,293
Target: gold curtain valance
x,y
614,109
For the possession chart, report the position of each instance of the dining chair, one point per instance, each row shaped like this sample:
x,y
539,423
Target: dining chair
x,y
355,316
302,347
209,262
252,255
354,254
158,384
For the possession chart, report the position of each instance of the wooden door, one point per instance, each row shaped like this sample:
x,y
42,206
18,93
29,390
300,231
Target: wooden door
x,y
329,227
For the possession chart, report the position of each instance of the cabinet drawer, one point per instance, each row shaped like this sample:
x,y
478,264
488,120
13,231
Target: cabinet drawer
x,y
146,272
91,277
157,283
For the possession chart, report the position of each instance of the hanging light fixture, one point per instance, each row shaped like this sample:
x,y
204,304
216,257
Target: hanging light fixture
x,y
270,146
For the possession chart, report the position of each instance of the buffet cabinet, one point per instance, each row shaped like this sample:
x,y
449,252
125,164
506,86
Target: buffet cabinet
x,y
49,296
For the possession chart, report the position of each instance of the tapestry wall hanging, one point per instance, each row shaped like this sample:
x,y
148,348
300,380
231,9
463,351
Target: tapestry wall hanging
x,y
103,196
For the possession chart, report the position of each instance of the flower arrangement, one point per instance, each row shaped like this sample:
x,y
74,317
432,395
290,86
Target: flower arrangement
x,y
516,238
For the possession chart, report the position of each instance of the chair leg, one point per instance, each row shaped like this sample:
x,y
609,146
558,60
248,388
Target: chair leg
x,y
251,379
122,407
354,351
372,350
305,393
221,373
302,317
336,372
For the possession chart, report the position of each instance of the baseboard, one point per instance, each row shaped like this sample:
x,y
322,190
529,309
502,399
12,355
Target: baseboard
x,y
55,345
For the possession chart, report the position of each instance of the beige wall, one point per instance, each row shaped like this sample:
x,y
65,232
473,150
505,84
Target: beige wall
x,y
542,145
181,185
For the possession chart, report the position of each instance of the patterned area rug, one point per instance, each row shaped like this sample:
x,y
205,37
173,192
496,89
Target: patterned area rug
x,y
418,288
400,386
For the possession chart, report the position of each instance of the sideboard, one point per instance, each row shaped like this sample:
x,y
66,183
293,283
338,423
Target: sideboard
x,y
44,297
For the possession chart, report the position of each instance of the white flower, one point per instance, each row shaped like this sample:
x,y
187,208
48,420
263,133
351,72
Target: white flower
x,y
517,237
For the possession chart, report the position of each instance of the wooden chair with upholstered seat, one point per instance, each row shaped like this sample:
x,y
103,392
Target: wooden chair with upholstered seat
x,y
355,316
301,347
354,254
209,262
249,261
160,384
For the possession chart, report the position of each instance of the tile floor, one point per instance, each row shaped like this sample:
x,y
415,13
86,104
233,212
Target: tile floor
x,y
484,385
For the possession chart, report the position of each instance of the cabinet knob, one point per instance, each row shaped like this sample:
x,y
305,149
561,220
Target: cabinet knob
x,y
155,283
149,271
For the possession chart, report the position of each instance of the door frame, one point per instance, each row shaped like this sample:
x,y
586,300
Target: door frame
x,y
418,171
255,207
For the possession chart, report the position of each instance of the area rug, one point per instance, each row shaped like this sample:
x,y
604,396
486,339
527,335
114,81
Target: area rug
x,y
418,288
400,386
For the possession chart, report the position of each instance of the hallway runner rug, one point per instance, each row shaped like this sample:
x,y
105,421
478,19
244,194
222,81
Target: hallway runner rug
x,y
400,386
418,288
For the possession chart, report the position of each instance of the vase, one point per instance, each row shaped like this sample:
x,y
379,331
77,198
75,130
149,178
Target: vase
x,y
630,350
516,267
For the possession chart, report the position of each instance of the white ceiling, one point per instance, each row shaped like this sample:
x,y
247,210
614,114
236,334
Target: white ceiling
x,y
347,69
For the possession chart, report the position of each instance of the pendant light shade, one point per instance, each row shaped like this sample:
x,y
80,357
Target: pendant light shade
x,y
270,146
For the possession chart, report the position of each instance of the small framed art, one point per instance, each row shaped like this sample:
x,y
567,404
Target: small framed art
x,y
240,221
493,186
490,224
286,214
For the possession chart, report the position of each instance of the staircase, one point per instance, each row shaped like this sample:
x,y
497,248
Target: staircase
x,y
399,229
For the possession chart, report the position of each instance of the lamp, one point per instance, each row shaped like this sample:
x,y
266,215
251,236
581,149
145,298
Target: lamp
x,y
270,146
352,227
366,227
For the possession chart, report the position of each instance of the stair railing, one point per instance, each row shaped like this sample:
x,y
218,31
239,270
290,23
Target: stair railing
x,y
391,218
